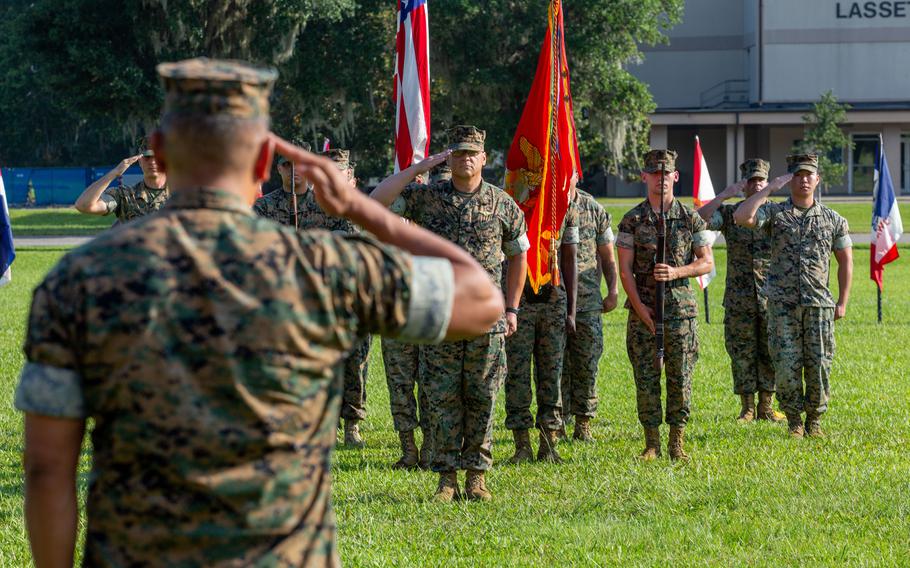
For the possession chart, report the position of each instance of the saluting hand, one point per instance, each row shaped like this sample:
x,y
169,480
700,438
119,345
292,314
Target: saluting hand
x,y
779,182
734,190
334,192
431,162
126,163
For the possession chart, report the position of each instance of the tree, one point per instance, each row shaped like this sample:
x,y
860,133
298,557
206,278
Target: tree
x,y
825,138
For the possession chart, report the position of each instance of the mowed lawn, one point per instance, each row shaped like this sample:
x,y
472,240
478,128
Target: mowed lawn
x,y
750,496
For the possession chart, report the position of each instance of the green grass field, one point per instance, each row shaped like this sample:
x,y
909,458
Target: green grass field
x,y
750,496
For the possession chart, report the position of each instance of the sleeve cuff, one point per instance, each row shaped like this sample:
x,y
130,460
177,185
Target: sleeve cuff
x,y
399,206
50,391
432,296
703,239
716,222
571,236
842,243
606,238
625,240
518,246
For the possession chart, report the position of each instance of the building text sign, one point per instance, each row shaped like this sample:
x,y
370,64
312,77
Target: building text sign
x,y
883,9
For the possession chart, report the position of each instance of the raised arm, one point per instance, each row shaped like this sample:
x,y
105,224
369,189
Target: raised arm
x,y
89,202
707,210
477,302
746,215
391,187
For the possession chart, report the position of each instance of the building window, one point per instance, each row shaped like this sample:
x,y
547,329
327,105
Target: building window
x,y
862,166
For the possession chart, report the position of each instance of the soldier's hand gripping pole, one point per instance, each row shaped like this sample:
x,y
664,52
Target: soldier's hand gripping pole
x,y
660,291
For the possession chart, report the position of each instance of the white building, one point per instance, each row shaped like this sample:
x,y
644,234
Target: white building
x,y
742,73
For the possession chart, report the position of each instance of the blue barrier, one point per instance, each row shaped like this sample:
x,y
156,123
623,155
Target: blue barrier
x,y
55,186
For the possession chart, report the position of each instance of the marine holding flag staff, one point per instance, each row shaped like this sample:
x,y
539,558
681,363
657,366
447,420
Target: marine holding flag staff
x,y
801,311
463,377
745,303
688,255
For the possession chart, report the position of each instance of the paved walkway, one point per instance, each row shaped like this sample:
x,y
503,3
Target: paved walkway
x,y
22,242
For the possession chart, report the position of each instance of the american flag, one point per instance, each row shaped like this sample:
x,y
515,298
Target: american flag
x,y
412,84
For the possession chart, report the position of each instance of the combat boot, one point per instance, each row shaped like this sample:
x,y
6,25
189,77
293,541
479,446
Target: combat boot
x,y
766,408
652,444
475,487
675,443
747,412
814,426
447,491
426,451
523,450
409,457
795,425
547,450
352,436
561,434
582,431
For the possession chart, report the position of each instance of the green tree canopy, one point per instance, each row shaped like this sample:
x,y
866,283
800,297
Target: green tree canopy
x,y
79,80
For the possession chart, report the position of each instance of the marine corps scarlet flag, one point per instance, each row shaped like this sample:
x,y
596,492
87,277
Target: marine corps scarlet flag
x,y
544,154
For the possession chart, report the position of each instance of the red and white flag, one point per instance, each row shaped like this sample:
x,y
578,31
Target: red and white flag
x,y
887,227
412,84
326,145
702,193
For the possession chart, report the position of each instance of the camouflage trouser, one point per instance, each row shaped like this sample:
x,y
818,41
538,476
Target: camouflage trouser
x,y
579,372
402,363
462,379
680,355
802,347
355,369
746,338
541,334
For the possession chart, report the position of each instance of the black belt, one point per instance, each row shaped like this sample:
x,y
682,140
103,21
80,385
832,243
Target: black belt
x,y
542,296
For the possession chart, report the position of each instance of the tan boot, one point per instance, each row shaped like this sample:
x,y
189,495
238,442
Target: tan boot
x,y
766,408
652,445
426,451
582,431
747,412
561,434
523,450
547,450
352,436
795,425
475,487
675,443
814,426
447,491
409,456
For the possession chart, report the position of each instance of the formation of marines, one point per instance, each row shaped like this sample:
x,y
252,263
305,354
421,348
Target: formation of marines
x,y
217,395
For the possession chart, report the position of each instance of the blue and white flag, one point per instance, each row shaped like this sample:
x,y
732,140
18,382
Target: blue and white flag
x,y
7,251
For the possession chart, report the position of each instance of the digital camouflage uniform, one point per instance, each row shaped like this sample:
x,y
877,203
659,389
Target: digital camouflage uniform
x,y
402,372
583,350
278,206
745,304
201,341
638,232
463,377
541,336
801,313
129,202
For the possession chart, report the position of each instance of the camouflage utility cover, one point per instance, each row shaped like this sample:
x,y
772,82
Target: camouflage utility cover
x,y
466,137
216,87
654,159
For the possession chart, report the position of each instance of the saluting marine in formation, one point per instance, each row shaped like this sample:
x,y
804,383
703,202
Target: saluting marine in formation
x,y
279,206
464,377
745,302
801,314
127,202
